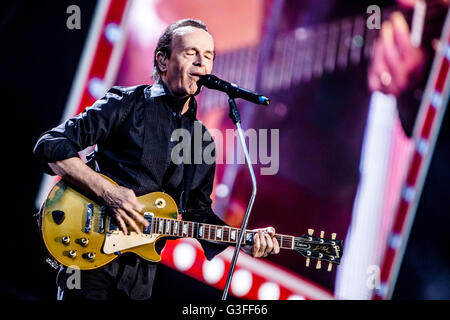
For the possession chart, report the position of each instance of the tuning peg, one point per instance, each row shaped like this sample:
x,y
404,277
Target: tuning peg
x,y
307,262
310,232
322,234
330,266
319,264
333,236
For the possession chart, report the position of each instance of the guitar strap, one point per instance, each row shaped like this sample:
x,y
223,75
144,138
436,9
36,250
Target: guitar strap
x,y
188,176
187,183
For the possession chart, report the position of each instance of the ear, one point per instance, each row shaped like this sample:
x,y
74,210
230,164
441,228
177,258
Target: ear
x,y
161,59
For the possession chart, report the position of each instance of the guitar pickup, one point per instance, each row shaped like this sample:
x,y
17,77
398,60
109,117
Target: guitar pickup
x,y
89,213
101,228
111,226
149,217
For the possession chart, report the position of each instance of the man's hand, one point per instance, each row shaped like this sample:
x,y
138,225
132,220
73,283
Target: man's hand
x,y
396,65
264,243
124,208
122,202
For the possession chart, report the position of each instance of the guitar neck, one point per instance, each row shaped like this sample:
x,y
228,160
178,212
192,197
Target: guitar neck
x,y
204,231
306,53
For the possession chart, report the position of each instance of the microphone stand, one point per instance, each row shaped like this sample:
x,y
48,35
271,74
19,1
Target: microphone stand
x,y
236,118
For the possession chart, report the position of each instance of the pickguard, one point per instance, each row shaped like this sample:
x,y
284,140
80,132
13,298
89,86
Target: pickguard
x,y
117,241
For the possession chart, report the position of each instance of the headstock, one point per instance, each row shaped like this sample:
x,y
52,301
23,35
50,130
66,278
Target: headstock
x,y
319,248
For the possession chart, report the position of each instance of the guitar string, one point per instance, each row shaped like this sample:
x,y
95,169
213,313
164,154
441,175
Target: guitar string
x,y
286,240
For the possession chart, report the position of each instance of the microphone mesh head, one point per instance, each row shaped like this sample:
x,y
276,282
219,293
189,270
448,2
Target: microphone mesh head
x,y
207,80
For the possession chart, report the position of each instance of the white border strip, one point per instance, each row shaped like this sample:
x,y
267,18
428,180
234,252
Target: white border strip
x,y
434,133
87,56
95,31
117,52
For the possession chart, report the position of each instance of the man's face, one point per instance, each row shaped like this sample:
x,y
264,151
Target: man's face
x,y
192,53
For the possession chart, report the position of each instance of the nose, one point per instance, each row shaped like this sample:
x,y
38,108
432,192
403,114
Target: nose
x,y
199,61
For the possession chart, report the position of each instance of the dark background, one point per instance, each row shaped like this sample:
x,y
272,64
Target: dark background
x,y
39,58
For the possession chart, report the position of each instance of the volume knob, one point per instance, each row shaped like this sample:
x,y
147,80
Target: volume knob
x,y
65,240
84,242
72,253
90,255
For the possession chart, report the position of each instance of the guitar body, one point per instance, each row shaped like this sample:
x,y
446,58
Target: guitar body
x,y
78,232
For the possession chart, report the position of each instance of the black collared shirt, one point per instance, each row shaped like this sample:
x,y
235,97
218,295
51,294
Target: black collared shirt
x,y
132,129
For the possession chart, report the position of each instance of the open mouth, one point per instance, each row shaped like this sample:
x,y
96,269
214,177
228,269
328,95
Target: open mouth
x,y
196,75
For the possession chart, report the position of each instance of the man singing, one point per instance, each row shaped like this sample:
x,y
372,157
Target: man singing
x,y
131,128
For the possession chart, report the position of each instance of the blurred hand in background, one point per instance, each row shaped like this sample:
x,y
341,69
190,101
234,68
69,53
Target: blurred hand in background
x,y
396,65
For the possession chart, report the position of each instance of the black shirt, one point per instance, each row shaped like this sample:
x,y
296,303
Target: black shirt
x,y
132,129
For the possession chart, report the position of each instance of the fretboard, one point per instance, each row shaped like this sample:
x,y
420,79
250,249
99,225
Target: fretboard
x,y
203,231
297,56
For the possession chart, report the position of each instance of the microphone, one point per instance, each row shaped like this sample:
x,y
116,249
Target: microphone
x,y
212,82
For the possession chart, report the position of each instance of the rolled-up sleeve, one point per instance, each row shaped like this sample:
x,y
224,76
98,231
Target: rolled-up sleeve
x,y
86,129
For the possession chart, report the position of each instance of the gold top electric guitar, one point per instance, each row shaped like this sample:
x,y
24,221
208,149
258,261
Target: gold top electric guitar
x,y
78,231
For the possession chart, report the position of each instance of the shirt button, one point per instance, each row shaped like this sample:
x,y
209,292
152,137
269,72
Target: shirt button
x,y
174,114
